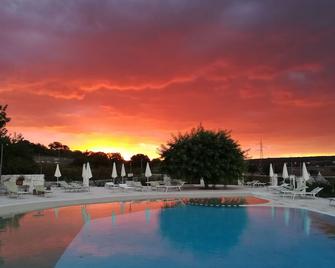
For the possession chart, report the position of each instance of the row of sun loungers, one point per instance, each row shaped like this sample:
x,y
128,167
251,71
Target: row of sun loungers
x,y
301,193
152,186
285,191
73,187
255,183
13,190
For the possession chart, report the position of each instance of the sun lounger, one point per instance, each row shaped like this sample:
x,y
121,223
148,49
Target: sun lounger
x,y
255,183
139,187
293,193
166,188
250,183
154,185
111,186
279,188
13,190
42,191
312,193
71,187
125,187
259,184
82,188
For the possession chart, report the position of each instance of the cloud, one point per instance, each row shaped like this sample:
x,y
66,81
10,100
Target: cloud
x,y
146,69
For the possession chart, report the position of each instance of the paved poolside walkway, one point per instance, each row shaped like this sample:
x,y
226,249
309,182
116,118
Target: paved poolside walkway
x,y
101,195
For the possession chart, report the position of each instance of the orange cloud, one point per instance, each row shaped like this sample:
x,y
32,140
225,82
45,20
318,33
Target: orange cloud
x,y
112,76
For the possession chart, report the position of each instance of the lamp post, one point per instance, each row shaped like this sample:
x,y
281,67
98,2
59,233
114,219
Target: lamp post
x,y
141,168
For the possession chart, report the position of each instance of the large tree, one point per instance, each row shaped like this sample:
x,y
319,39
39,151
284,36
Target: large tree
x,y
138,163
211,155
139,159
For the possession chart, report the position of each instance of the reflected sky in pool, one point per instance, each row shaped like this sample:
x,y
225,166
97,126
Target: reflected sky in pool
x,y
145,234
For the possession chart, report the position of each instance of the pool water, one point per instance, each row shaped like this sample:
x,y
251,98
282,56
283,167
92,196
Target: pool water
x,y
157,234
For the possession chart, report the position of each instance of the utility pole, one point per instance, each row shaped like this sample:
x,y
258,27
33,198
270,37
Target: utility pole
x,y
40,162
260,165
1,160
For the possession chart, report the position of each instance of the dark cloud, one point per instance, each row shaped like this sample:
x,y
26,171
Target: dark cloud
x,y
250,66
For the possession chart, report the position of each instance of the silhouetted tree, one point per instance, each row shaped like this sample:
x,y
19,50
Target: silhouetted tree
x,y
16,137
58,146
138,162
156,165
211,155
115,157
4,119
19,158
99,159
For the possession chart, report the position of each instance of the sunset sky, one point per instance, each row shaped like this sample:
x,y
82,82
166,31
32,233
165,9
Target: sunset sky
x,y
121,76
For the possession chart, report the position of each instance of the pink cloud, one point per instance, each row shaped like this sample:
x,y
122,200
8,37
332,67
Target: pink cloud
x,y
145,70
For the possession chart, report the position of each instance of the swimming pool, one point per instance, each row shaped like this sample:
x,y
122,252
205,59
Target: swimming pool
x,y
160,234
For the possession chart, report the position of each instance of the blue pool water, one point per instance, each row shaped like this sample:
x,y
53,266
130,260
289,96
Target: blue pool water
x,y
145,235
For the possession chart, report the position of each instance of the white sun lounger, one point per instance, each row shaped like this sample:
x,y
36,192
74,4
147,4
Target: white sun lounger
x,y
125,187
312,193
166,188
111,185
259,184
42,191
81,188
292,193
255,183
280,188
72,187
13,190
250,183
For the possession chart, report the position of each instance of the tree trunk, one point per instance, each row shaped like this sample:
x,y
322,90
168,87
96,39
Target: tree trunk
x,y
206,183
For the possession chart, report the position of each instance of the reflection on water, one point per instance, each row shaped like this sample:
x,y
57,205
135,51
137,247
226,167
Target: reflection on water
x,y
113,218
122,207
56,212
9,223
187,226
287,216
145,234
299,218
147,215
322,223
307,224
39,238
85,215
273,212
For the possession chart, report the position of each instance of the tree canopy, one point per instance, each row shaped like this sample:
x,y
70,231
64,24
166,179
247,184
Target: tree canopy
x,y
56,145
4,119
211,155
139,160
24,157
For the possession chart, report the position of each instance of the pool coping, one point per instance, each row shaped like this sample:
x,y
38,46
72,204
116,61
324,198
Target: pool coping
x,y
48,203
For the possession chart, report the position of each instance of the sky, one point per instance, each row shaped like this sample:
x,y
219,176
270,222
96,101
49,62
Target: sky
x,y
123,75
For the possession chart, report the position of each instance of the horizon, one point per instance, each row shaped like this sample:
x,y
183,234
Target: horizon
x,y
122,76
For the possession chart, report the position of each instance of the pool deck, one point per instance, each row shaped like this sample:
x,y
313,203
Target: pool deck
x,y
59,198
